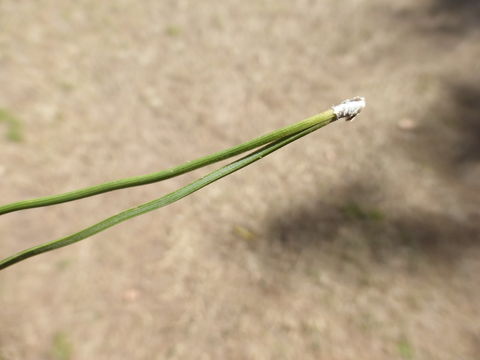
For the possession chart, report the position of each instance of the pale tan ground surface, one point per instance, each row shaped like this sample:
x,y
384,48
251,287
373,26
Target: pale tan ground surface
x,y
360,241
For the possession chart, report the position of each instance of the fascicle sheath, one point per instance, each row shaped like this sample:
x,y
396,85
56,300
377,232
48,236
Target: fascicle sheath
x,y
349,108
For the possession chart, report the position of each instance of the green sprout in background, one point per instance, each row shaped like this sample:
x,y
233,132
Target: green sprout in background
x,y
173,31
355,211
14,126
405,349
62,348
265,145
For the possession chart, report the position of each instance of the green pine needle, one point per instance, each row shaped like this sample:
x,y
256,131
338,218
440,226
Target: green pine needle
x,y
270,142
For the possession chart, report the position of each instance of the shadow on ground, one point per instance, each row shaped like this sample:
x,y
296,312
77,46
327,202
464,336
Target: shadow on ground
x,y
447,139
355,222
455,16
443,17
465,9
465,120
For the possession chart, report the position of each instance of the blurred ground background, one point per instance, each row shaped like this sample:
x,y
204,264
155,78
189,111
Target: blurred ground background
x,y
360,241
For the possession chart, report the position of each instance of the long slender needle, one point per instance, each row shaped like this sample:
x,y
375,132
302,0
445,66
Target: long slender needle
x,y
158,203
274,140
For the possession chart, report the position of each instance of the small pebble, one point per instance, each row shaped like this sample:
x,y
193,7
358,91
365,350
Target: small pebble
x,y
131,295
407,124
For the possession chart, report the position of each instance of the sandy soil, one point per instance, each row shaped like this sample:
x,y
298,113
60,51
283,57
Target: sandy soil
x,y
361,241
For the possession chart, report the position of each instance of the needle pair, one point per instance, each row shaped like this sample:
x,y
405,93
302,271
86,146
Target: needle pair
x,y
265,145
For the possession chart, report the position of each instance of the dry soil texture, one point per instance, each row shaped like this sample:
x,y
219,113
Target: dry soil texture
x,y
360,241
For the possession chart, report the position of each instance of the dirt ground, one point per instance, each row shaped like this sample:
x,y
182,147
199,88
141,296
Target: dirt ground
x,y
360,241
